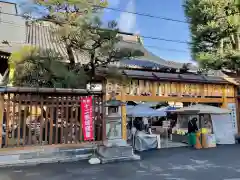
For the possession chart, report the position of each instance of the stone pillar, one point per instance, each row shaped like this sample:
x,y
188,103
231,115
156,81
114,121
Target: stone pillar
x,y
124,113
115,147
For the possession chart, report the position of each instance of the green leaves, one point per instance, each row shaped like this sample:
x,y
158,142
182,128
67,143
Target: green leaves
x,y
77,25
39,68
215,28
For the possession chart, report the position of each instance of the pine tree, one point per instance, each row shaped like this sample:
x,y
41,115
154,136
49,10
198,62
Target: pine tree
x,y
78,25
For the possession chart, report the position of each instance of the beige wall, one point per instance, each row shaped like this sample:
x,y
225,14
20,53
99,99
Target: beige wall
x,y
12,27
8,7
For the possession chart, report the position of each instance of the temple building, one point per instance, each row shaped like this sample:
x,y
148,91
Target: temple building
x,y
147,78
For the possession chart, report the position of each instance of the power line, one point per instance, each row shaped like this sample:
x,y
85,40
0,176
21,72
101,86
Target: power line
x,y
147,15
166,49
137,13
119,10
158,17
163,39
149,46
143,36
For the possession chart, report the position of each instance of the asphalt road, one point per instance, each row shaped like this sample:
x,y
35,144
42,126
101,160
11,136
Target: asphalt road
x,y
222,163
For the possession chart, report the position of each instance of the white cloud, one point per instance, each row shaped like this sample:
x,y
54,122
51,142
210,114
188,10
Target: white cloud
x,y
127,21
114,3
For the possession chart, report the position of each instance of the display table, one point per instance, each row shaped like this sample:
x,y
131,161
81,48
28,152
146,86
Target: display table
x,y
143,141
179,138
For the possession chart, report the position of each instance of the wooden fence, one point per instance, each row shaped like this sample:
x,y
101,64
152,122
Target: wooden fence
x,y
32,117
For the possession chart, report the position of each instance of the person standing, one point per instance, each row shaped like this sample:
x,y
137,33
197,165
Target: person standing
x,y
192,130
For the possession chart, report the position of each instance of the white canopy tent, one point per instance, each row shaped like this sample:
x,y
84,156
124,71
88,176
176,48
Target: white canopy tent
x,y
221,121
202,109
143,110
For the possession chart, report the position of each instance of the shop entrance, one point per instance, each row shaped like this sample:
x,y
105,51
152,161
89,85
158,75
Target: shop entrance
x,y
152,125
171,128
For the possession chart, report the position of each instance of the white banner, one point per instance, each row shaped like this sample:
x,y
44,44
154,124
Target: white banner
x,y
232,107
223,129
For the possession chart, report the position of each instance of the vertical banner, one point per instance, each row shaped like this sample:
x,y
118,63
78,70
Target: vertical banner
x,y
87,119
232,107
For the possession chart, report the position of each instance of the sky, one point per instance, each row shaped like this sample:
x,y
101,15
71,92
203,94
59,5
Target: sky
x,y
153,27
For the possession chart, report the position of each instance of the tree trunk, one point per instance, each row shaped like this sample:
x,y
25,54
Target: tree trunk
x,y
237,40
92,64
70,53
221,46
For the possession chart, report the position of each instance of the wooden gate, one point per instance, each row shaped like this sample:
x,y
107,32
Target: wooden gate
x,y
44,116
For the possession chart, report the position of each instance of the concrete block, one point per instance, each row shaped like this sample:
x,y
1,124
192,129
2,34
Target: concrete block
x,y
52,155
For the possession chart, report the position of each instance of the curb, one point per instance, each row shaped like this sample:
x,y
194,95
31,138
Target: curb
x,y
43,157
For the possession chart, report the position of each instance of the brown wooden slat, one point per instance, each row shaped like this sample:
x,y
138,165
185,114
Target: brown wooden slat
x,y
71,121
41,122
56,123
24,123
77,127
26,131
7,118
29,124
19,120
103,120
62,119
98,118
80,122
13,118
35,123
67,123
51,125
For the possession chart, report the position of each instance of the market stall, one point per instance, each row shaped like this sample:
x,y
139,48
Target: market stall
x,y
139,117
214,124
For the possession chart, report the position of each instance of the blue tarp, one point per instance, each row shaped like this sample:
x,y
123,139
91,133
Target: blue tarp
x,y
142,110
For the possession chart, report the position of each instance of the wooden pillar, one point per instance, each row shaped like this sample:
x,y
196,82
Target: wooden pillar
x,y
224,96
104,99
237,108
1,116
154,88
124,113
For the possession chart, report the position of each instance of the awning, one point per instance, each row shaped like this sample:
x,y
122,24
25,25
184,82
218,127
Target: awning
x,y
201,109
142,110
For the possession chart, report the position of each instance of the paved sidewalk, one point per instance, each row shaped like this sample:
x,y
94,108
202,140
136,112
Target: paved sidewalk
x,y
222,163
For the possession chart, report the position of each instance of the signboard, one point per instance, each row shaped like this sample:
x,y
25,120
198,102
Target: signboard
x,y
223,129
94,87
87,119
232,107
166,124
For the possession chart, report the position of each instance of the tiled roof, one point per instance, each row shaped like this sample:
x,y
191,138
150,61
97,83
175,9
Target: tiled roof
x,y
43,36
175,77
152,58
137,63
